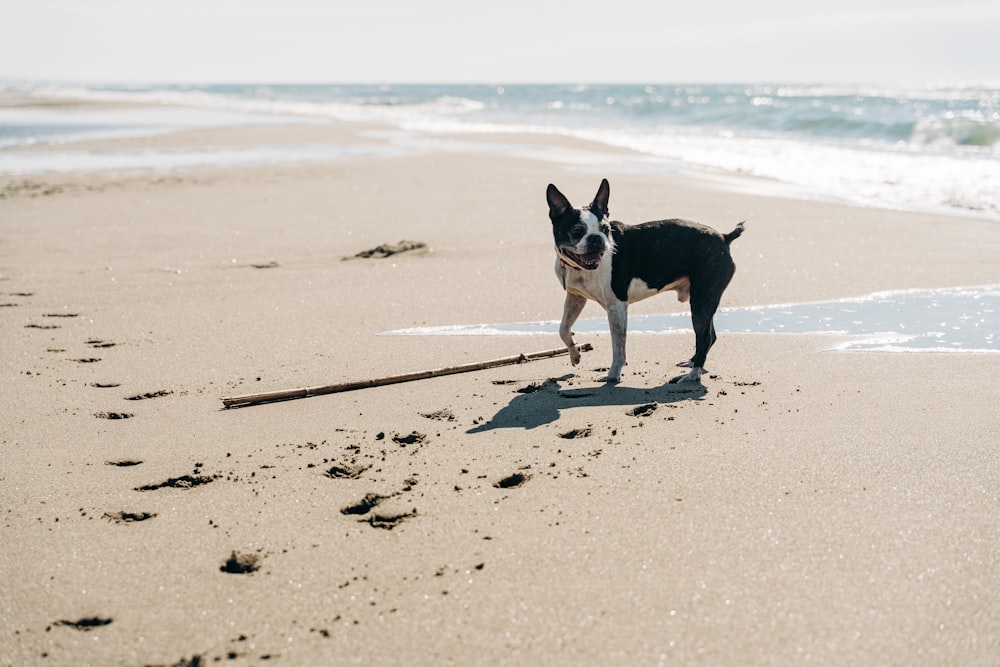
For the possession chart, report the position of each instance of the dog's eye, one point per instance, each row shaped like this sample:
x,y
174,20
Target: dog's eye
x,y
578,230
605,229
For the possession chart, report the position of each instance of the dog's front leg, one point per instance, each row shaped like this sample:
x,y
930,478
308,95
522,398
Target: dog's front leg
x,y
571,311
618,323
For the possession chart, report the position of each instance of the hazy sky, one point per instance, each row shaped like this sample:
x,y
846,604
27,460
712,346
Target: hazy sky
x,y
505,41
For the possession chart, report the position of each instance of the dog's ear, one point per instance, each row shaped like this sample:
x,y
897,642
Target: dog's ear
x,y
600,204
558,204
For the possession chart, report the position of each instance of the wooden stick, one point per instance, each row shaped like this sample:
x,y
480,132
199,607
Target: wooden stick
x,y
290,394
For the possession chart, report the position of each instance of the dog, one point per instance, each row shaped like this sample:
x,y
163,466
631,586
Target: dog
x,y
616,264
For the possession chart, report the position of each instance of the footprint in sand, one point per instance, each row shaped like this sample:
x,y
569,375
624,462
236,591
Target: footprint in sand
x,y
365,505
414,438
440,415
148,395
643,410
114,415
385,521
241,563
512,481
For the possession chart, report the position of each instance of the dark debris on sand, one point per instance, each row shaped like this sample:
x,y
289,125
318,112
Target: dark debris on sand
x,y
388,250
389,521
128,517
124,463
85,624
193,661
182,482
346,471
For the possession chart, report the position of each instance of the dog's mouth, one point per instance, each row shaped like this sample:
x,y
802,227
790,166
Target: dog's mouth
x,y
589,260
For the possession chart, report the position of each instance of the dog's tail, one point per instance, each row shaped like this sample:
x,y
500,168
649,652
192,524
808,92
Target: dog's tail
x,y
735,234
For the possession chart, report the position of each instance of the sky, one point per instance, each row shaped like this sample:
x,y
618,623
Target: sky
x,y
507,41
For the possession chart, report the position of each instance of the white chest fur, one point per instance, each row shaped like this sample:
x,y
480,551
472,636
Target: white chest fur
x,y
596,285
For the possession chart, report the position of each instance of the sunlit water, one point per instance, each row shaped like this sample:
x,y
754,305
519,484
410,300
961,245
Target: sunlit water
x,y
959,319
925,148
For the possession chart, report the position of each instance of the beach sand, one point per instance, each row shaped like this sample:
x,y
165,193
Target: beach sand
x,y
801,507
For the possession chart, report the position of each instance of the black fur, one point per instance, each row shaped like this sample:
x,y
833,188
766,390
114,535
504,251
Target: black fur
x,y
664,251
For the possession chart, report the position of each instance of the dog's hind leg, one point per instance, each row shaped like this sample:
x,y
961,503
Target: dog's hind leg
x,y
704,302
688,363
703,307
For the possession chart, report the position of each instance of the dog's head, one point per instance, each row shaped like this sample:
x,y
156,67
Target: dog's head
x,y
583,236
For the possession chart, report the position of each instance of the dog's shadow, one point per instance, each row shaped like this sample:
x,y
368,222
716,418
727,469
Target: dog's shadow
x,y
539,404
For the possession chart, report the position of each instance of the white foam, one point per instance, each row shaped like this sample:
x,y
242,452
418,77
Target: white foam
x,y
880,175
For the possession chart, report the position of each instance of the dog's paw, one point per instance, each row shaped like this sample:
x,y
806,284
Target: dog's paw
x,y
693,376
574,354
614,376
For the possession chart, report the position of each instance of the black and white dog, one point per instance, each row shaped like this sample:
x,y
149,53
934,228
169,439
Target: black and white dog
x,y
616,264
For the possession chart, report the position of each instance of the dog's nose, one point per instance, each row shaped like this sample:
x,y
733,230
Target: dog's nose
x,y
596,242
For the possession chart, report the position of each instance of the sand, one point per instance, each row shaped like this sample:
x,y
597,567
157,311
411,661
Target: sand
x,y
801,507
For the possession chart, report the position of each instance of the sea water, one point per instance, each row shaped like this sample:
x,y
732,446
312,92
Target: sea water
x,y
927,148
960,319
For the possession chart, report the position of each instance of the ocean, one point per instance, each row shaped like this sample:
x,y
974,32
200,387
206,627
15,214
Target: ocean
x,y
928,148
950,319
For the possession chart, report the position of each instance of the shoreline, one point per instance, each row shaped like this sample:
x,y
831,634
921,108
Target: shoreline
x,y
292,139
576,158
839,508
917,323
